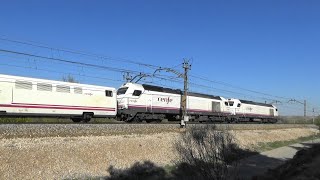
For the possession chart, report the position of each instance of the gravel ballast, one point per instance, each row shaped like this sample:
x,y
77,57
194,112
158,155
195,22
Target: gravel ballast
x,y
75,130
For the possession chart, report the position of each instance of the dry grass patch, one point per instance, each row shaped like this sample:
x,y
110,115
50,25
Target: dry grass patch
x,y
250,139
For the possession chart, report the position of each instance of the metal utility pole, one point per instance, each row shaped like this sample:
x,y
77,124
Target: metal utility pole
x,y
186,66
304,105
185,117
305,108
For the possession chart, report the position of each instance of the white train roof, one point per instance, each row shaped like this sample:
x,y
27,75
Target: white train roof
x,y
10,78
255,103
169,90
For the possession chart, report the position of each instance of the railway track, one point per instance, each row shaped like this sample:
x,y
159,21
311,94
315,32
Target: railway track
x,y
74,130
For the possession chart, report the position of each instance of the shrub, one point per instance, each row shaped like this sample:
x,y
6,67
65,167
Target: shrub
x,y
205,153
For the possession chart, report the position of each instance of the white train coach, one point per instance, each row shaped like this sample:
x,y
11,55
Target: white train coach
x,y
21,96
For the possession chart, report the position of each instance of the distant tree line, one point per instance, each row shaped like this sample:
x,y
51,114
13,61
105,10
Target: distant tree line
x,y
69,78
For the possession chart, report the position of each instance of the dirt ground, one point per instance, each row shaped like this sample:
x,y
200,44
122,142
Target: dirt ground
x,y
90,156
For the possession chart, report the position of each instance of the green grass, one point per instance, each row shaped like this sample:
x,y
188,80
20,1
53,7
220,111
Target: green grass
x,y
5,120
295,120
317,121
273,145
169,168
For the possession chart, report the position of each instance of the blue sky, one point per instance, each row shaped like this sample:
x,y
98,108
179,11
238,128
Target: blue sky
x,y
265,46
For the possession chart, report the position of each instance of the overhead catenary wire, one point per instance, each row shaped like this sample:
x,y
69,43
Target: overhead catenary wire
x,y
40,45
168,78
237,87
68,61
229,92
80,63
156,76
122,70
60,72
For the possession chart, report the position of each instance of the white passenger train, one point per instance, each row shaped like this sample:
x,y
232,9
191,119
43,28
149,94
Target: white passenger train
x,y
138,102
21,96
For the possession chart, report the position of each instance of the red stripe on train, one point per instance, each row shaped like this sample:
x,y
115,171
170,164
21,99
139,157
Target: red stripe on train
x,y
54,107
60,105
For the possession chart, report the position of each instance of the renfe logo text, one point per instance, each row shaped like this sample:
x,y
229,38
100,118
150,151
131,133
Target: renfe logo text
x,y
167,100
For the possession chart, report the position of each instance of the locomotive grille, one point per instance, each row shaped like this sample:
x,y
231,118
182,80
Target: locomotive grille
x,y
216,107
271,112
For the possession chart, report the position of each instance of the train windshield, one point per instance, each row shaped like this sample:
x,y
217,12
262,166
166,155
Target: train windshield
x,y
122,90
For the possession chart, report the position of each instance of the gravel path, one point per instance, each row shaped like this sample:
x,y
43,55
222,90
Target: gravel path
x,y
259,164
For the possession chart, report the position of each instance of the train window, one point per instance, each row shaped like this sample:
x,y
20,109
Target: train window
x,y
61,88
44,87
231,103
226,103
108,93
23,85
122,90
77,90
238,105
136,93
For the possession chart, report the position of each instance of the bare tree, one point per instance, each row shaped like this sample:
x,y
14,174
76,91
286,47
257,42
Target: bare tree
x,y
206,153
69,78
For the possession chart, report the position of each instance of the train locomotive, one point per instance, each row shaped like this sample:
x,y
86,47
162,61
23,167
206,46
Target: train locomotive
x,y
22,96
139,102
